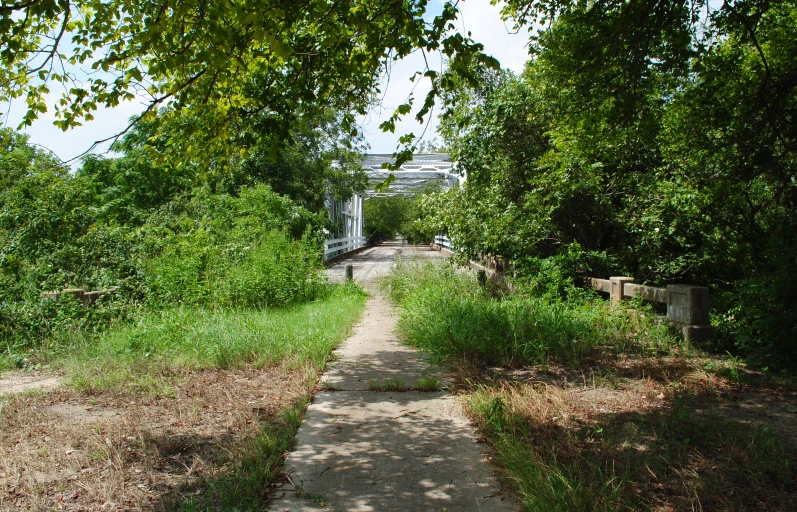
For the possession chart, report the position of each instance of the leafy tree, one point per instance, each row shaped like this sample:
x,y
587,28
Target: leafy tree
x,y
383,217
220,65
644,138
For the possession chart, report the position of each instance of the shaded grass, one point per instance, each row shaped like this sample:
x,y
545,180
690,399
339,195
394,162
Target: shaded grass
x,y
161,345
245,486
448,314
561,455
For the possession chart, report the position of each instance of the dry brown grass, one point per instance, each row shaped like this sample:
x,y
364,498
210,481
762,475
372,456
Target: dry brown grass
x,y
650,433
64,450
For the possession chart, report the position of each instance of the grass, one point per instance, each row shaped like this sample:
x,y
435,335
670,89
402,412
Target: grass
x,y
243,485
160,346
185,409
562,454
430,383
397,384
590,407
448,314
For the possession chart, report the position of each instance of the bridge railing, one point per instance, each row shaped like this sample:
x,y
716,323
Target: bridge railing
x,y
340,246
687,305
443,242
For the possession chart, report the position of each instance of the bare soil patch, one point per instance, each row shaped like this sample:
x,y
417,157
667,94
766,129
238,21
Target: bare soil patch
x,y
123,451
20,382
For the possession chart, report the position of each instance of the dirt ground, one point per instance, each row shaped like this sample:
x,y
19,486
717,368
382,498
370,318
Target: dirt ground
x,y
15,383
64,450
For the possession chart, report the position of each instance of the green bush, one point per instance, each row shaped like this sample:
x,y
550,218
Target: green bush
x,y
255,250
103,228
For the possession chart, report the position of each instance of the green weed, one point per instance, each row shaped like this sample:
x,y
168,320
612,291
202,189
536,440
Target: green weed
x,y
157,348
427,384
397,384
446,313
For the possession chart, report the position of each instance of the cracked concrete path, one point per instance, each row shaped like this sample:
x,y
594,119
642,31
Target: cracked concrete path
x,y
401,449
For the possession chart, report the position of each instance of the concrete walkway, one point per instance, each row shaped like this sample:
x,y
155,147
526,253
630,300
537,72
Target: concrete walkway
x,y
398,449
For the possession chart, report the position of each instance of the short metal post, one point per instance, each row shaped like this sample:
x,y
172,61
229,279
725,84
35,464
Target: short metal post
x,y
349,272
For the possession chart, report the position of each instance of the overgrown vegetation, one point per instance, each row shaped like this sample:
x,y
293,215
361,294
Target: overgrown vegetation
x,y
163,345
448,314
388,217
160,237
654,139
593,407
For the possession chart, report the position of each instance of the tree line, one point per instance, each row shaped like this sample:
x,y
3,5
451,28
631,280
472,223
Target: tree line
x,y
652,139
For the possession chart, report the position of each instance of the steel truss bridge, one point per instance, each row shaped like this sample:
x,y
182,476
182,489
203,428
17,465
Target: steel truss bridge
x,y
424,172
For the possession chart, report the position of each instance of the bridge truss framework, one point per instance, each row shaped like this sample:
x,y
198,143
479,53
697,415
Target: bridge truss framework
x,y
422,173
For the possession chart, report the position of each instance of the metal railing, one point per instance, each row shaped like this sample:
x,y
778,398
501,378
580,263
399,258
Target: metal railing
x,y
443,242
340,246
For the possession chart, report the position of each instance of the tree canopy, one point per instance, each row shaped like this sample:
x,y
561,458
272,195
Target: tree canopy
x,y
654,139
235,73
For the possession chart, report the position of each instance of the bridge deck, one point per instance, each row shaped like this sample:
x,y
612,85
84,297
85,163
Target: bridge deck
x,y
398,449
377,261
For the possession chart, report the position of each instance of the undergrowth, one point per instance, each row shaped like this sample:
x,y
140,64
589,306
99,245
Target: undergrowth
x,y
446,312
559,459
160,345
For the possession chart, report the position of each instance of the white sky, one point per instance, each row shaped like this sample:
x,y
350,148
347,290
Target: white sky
x,y
483,20
477,16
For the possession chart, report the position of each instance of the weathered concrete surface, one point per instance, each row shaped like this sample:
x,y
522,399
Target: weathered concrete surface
x,y
373,355
375,262
367,451
389,451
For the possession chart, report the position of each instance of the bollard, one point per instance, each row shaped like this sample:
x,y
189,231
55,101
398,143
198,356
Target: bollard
x,y
687,307
349,272
687,304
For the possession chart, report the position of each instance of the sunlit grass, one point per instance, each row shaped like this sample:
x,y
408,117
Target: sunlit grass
x,y
447,313
161,345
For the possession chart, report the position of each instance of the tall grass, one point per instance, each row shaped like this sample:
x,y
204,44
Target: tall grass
x,y
446,312
161,344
